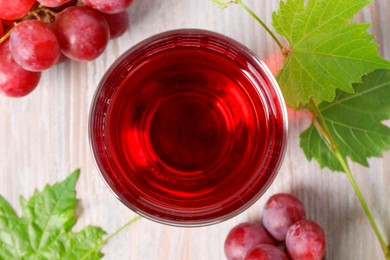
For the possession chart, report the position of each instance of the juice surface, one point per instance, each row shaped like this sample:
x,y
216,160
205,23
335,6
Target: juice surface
x,y
184,129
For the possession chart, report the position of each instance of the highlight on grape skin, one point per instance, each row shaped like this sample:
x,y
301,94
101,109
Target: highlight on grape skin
x,y
305,240
26,28
83,33
14,80
34,46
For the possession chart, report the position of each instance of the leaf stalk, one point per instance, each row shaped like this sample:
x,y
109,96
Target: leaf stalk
x,y
323,129
104,241
363,203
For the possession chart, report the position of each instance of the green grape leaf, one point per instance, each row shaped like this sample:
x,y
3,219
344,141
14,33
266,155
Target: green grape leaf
x,y
355,122
326,52
43,231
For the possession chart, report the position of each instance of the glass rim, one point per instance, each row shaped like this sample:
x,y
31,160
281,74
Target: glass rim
x,y
265,73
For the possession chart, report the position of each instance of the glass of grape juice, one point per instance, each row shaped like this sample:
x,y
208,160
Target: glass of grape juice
x,y
188,128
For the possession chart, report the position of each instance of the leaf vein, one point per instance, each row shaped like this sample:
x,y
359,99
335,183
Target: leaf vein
x,y
354,96
325,23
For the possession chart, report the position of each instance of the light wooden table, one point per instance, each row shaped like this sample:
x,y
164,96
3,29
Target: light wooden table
x,y
43,137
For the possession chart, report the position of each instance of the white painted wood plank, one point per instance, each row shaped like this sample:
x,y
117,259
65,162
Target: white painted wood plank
x,y
43,137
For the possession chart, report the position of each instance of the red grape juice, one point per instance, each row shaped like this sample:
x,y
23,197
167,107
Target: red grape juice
x,y
188,128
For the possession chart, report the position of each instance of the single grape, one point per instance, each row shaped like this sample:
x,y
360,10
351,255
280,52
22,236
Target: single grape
x,y
280,212
14,80
109,6
34,46
15,9
82,32
53,3
118,23
243,237
265,252
305,240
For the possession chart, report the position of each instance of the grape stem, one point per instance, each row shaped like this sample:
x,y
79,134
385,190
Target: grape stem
x,y
5,36
322,127
104,241
40,12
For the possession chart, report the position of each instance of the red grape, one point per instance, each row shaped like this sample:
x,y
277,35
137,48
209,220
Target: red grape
x,y
305,240
265,252
34,46
53,3
15,9
14,80
280,212
118,23
243,237
109,6
82,32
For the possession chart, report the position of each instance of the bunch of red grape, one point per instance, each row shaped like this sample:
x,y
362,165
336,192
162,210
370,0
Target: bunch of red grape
x,y
35,35
283,234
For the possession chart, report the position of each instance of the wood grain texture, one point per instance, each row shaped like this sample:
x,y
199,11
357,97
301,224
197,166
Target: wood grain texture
x,y
43,137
